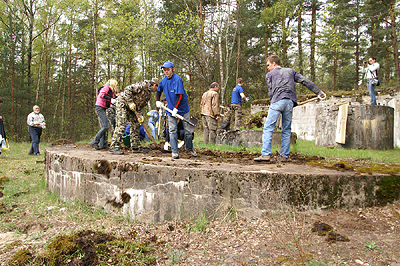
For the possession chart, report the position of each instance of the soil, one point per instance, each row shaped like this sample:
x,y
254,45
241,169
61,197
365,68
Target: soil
x,y
362,236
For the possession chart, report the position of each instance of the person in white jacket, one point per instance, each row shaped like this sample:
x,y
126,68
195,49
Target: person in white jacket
x,y
36,124
371,71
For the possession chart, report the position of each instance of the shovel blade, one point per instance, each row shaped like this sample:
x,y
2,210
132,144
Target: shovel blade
x,y
192,124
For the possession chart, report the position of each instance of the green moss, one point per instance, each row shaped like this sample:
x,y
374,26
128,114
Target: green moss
x,y
4,179
389,189
22,257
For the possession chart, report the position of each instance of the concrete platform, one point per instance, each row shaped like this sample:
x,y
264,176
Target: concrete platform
x,y
154,187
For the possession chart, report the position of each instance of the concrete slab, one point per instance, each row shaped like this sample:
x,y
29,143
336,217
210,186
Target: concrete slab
x,y
153,187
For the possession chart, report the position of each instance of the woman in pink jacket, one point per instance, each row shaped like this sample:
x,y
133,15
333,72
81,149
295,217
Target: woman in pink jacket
x,y
103,102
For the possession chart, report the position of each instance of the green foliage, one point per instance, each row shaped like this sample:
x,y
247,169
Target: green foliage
x,y
371,245
174,256
201,223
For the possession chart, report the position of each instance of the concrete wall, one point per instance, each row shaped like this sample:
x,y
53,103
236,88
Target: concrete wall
x,y
316,121
160,189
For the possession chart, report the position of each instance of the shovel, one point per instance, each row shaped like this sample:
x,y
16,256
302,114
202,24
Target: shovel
x,y
192,124
146,129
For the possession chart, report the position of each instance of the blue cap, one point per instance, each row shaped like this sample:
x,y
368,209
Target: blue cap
x,y
167,64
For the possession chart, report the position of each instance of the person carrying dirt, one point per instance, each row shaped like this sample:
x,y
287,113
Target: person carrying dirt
x,y
210,113
282,94
236,102
177,101
129,107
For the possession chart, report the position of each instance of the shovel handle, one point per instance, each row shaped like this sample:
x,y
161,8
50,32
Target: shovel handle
x,y
177,115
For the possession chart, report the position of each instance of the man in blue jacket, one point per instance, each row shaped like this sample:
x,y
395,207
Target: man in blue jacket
x,y
236,102
282,94
177,101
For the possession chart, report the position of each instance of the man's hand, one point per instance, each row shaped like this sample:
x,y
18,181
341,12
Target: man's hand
x,y
174,112
140,119
1,117
157,125
132,106
321,95
158,104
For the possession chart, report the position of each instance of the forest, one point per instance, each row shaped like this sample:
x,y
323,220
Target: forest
x,y
58,53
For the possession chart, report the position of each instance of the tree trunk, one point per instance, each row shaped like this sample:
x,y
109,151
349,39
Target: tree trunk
x,y
221,67
299,39
266,42
394,41
238,39
313,36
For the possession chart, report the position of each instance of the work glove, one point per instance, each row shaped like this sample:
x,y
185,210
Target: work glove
x,y
113,101
157,125
140,119
158,104
321,95
132,106
174,112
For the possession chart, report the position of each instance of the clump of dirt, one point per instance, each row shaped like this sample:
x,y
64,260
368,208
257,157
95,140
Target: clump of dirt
x,y
103,167
87,248
324,229
20,258
61,142
256,120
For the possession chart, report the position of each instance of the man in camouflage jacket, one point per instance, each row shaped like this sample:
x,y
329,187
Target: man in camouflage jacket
x,y
129,107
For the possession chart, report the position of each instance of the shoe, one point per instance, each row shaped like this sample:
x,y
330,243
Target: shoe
x,y
94,145
285,159
175,156
37,153
140,150
116,152
263,158
193,153
30,153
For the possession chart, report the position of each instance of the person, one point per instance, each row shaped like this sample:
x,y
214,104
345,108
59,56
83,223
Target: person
x,y
370,69
177,102
154,118
129,107
36,123
103,102
236,102
210,113
111,112
282,94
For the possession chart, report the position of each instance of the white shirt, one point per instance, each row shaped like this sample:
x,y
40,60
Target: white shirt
x,y
34,119
371,68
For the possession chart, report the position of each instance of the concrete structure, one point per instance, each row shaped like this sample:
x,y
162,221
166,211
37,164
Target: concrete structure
x,y
316,121
153,188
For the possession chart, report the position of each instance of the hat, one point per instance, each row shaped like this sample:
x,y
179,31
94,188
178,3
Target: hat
x,y
155,80
167,64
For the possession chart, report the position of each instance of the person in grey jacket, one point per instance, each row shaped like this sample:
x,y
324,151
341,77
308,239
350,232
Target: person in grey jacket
x,y
36,123
282,94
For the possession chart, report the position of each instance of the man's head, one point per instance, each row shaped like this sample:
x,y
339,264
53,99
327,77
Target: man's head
x,y
164,100
273,61
154,84
214,86
36,109
168,68
372,60
240,81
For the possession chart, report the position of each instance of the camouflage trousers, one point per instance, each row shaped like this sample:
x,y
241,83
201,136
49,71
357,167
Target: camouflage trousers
x,y
237,108
111,113
124,115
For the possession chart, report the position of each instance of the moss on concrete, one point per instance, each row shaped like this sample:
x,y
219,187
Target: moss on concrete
x,y
389,189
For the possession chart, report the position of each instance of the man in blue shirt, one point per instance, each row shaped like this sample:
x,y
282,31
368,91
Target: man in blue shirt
x,y
177,101
282,95
236,103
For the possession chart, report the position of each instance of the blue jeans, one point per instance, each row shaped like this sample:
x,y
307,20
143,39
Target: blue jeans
x,y
101,137
371,90
153,129
173,133
284,107
35,132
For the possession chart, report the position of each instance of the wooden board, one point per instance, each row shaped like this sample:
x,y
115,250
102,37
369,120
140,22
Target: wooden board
x,y
341,123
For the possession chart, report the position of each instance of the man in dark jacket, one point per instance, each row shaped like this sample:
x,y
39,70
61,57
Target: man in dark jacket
x,y
282,94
